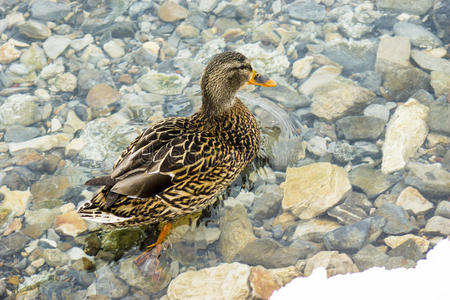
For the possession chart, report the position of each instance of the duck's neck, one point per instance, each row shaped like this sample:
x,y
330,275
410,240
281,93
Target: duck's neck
x,y
216,98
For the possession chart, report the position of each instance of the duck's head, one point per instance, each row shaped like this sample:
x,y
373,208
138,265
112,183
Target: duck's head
x,y
224,75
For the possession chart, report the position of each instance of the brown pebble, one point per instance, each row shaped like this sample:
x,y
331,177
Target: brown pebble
x,y
14,280
101,95
126,79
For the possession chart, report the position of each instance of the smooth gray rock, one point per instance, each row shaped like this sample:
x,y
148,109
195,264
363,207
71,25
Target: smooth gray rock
x,y
417,7
353,57
443,209
409,250
270,254
349,238
371,181
368,257
429,179
267,201
378,111
439,118
361,127
109,285
397,221
441,20
18,133
306,11
12,243
369,79
418,35
49,10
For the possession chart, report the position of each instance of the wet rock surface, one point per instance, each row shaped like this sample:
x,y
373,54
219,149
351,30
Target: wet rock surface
x,y
354,165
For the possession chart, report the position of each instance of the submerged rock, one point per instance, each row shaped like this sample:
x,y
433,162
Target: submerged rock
x,y
371,181
397,221
19,109
163,84
236,232
339,98
395,241
312,189
369,257
361,127
332,261
401,144
16,201
418,35
411,200
226,281
270,254
438,225
431,179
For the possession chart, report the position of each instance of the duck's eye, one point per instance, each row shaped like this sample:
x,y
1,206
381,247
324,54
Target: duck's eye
x,y
242,67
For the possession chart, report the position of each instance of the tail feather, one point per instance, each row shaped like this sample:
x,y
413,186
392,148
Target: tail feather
x,y
104,180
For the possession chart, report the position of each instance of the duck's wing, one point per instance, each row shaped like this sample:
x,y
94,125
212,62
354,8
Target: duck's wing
x,y
150,171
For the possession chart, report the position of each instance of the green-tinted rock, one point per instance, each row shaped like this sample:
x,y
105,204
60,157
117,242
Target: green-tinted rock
x,y
371,181
408,249
92,245
4,213
121,239
34,57
163,84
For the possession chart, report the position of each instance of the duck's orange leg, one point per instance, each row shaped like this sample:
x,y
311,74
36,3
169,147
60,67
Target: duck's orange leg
x,y
147,253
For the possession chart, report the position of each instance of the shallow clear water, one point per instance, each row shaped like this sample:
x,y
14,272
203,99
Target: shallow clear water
x,y
80,80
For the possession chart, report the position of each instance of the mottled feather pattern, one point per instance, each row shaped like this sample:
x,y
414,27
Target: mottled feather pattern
x,y
198,156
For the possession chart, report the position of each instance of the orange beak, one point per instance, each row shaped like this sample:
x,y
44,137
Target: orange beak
x,y
258,79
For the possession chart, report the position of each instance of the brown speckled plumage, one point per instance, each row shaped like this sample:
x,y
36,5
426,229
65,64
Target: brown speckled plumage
x,y
179,165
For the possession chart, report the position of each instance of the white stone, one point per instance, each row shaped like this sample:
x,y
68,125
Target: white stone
x,y
405,133
55,125
80,44
152,47
393,51
74,147
412,200
302,67
51,70
66,82
226,281
76,253
314,229
73,123
114,48
440,82
55,45
317,145
244,198
17,201
438,224
207,5
377,111
263,61
332,261
320,77
42,143
19,109
42,94
430,62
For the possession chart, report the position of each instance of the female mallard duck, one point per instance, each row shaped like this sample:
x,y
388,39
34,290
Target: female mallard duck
x,y
180,164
